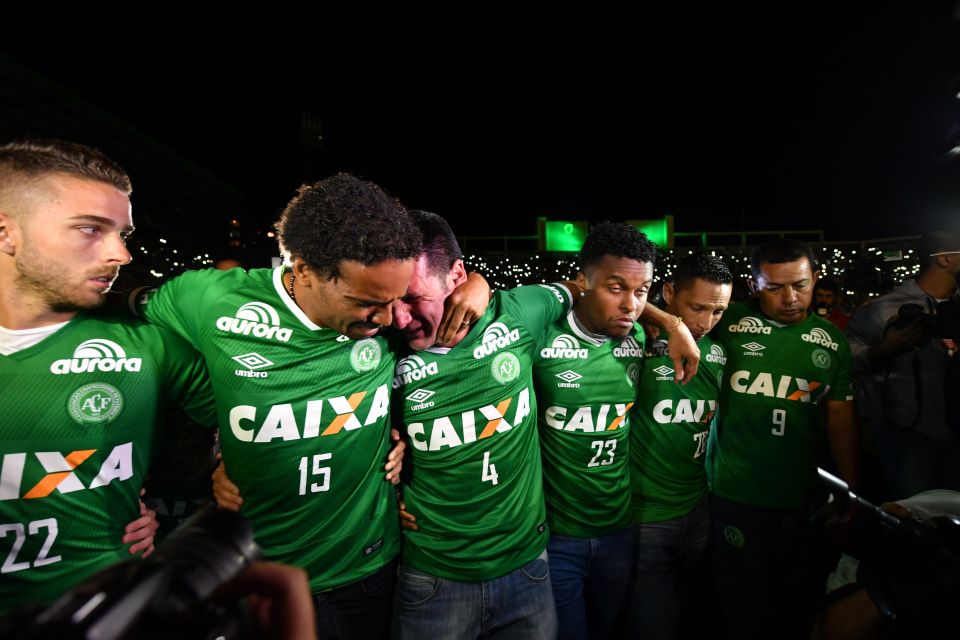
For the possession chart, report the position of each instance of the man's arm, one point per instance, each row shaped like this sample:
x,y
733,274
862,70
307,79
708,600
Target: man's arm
x,y
463,307
842,439
683,350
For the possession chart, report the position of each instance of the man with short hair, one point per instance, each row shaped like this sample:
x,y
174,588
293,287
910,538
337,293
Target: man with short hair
x,y
668,443
474,561
901,365
585,375
84,391
302,382
827,302
787,375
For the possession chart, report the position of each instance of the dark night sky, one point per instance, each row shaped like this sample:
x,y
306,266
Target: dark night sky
x,y
781,115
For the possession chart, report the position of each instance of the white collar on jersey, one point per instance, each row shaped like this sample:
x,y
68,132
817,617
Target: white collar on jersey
x,y
595,339
291,305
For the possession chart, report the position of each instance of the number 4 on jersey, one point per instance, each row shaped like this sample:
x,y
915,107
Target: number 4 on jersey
x,y
489,471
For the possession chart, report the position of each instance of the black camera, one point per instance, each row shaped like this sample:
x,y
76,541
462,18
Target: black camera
x,y
167,595
909,566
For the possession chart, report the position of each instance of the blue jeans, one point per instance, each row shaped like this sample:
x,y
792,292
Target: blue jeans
x,y
359,610
667,555
590,578
518,605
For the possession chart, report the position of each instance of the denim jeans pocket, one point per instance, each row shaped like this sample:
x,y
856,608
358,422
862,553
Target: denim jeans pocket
x,y
415,588
538,569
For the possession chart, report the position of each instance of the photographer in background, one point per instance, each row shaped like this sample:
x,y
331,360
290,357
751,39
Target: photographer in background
x,y
900,360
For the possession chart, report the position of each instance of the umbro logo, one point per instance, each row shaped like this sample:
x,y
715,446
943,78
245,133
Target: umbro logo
x,y
664,372
753,349
569,379
420,399
252,361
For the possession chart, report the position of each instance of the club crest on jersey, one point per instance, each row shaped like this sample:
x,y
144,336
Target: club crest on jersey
x,y
505,367
629,348
664,373
252,361
821,359
633,373
569,379
97,354
413,368
257,319
564,346
495,337
716,355
421,399
819,336
365,355
749,324
95,403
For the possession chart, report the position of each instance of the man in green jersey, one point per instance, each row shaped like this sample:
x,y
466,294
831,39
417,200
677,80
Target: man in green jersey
x,y
585,374
787,374
668,443
302,382
84,392
475,563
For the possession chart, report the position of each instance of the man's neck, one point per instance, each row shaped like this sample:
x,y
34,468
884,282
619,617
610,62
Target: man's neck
x,y
578,315
21,310
937,283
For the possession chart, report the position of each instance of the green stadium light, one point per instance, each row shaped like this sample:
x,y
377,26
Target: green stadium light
x,y
657,230
565,235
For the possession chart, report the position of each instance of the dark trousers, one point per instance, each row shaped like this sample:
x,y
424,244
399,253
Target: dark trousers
x,y
769,570
360,610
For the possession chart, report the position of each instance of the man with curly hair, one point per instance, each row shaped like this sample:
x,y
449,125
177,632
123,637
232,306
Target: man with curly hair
x,y
302,379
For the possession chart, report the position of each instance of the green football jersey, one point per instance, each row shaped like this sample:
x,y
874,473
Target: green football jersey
x,y
82,410
304,420
474,478
585,387
769,434
668,436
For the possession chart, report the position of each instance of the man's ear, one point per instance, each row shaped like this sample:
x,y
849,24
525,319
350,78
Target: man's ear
x,y
667,292
752,285
458,274
582,281
8,233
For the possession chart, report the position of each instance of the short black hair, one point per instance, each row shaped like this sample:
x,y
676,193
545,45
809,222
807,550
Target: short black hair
x,y
827,284
935,242
703,266
346,218
781,251
440,245
616,239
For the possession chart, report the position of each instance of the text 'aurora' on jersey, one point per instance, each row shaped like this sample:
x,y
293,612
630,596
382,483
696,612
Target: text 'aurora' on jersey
x,y
413,368
608,417
282,423
97,354
60,475
786,388
629,348
564,346
258,319
750,324
496,336
716,355
457,430
821,337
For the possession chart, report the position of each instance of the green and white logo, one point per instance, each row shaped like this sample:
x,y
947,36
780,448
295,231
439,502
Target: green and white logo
x,y
734,536
821,358
505,367
633,373
365,355
95,403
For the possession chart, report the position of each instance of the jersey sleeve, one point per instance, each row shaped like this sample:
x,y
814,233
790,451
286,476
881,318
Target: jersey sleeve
x,y
186,381
177,305
841,387
541,305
